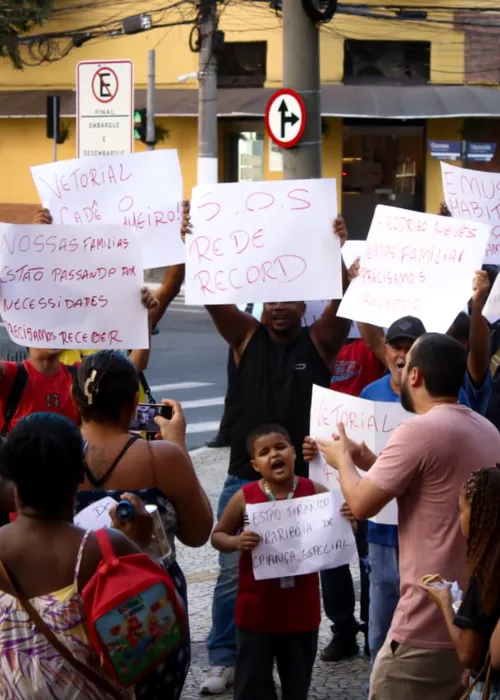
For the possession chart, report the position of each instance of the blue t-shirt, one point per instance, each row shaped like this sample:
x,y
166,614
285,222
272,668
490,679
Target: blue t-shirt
x,y
476,398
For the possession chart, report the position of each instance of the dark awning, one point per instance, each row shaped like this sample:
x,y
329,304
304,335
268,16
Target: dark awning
x,y
357,101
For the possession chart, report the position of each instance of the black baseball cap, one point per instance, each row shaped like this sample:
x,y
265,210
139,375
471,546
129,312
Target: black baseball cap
x,y
408,327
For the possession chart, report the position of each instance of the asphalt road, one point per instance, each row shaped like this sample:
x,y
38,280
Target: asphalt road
x,y
188,364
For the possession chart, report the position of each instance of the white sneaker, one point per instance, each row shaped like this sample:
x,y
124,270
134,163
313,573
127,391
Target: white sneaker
x,y
217,680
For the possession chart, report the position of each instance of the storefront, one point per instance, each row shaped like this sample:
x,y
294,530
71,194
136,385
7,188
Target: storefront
x,y
374,139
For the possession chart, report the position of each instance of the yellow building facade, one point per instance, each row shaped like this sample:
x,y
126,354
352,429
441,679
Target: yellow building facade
x,y
356,145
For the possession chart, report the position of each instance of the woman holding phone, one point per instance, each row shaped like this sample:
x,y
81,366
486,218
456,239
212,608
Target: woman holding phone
x,y
159,471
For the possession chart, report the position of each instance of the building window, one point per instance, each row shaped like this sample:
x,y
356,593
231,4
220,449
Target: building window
x,y
482,47
387,62
383,160
250,156
242,64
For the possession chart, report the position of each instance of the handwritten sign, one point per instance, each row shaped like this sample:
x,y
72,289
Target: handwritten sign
x,y
96,515
68,287
491,309
475,195
314,309
415,264
263,241
371,422
352,250
299,536
142,191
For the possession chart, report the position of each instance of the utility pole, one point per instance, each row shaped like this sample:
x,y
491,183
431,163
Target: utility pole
x,y
150,104
301,73
207,96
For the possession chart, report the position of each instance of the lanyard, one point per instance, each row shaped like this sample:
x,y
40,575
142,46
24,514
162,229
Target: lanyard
x,y
270,494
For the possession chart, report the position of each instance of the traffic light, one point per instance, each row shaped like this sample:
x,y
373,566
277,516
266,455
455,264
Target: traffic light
x,y
53,110
140,125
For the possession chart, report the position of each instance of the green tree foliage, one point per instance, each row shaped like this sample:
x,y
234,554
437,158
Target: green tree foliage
x,y
18,17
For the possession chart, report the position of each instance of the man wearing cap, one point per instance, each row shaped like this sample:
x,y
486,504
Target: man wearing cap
x,y
383,539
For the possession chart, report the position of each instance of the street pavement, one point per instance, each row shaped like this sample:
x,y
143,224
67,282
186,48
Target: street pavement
x,y
188,363
342,681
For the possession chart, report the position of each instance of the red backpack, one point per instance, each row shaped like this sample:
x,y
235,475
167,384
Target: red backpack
x,y
134,614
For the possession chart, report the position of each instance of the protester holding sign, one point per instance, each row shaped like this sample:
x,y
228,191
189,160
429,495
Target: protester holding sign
x,y
137,191
424,465
278,362
276,619
165,294
475,392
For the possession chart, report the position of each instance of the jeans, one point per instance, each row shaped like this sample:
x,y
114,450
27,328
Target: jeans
x,y
338,590
384,593
221,642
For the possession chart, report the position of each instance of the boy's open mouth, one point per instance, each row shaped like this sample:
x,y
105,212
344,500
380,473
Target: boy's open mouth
x,y
277,463
400,364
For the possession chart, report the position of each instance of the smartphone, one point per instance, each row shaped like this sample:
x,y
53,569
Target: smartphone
x,y
143,420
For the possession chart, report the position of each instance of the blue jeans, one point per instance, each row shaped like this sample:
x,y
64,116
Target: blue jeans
x,y
221,642
384,593
338,590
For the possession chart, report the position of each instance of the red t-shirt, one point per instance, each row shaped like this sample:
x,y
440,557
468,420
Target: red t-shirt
x,y
355,367
263,606
41,393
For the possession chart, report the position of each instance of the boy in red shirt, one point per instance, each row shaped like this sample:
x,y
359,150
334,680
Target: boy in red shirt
x,y
273,620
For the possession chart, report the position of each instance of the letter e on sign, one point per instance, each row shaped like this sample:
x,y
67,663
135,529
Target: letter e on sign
x,y
285,118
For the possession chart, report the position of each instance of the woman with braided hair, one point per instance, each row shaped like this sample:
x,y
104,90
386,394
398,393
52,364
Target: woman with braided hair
x,y
472,627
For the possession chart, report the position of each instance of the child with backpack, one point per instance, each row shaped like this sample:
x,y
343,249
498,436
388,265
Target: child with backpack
x,y
276,619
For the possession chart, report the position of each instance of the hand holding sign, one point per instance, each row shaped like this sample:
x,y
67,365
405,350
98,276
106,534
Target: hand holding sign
x,y
66,287
299,536
254,242
480,287
246,541
474,195
406,257
367,426
141,191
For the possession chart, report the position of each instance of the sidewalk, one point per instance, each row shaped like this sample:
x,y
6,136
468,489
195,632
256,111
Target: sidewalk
x,y
343,681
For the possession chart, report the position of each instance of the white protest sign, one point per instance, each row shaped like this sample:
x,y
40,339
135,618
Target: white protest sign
x,y
491,309
472,194
415,264
72,287
352,250
371,422
96,515
299,536
263,241
314,311
142,191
